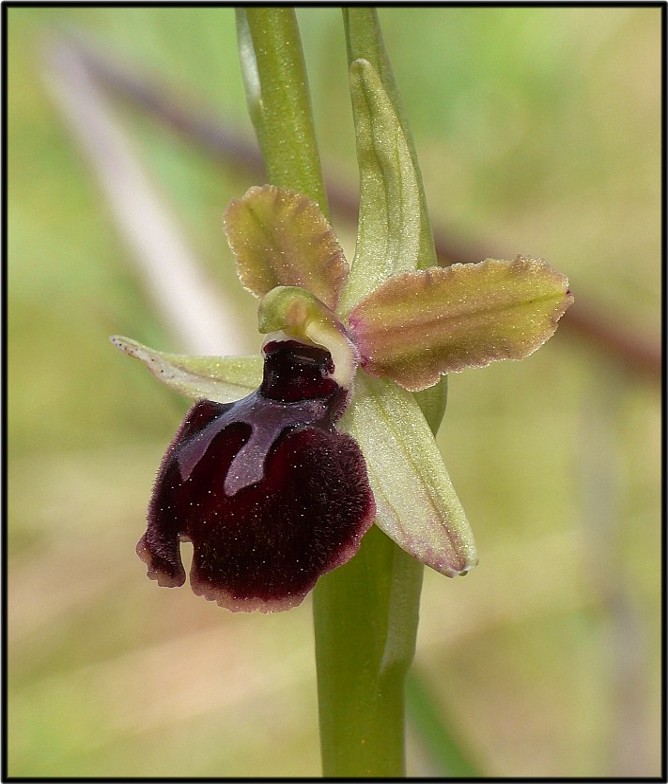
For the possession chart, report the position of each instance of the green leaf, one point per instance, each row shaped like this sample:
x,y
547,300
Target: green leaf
x,y
221,379
416,504
419,325
437,729
388,237
280,237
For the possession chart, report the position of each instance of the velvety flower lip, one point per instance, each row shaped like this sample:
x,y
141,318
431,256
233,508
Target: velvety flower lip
x,y
268,491
294,392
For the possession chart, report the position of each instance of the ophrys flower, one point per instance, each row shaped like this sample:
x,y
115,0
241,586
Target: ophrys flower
x,y
275,476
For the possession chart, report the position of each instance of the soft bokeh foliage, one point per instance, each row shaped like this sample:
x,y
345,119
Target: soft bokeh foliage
x,y
538,133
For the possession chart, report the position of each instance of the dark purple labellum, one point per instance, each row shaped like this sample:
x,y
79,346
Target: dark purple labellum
x,y
268,491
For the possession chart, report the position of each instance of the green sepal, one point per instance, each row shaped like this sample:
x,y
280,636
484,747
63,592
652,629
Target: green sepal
x,y
388,235
221,379
364,40
416,503
281,238
419,325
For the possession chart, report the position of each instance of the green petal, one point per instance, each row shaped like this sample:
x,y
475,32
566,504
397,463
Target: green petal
x,y
281,238
416,504
388,235
422,324
221,379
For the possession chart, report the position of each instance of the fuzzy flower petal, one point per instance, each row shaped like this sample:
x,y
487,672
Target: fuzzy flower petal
x,y
281,238
419,325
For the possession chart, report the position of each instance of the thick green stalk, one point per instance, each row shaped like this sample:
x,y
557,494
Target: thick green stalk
x,y
366,617
278,98
366,613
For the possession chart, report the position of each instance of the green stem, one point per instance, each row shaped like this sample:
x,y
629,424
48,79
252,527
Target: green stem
x,y
278,99
366,616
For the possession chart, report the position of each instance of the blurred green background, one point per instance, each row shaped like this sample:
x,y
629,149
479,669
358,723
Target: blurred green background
x,y
538,131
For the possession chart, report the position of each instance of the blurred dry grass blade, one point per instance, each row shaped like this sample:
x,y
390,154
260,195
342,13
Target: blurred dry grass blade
x,y
604,498
187,300
638,353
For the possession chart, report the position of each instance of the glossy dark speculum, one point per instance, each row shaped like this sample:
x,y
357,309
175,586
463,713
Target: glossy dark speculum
x,y
268,491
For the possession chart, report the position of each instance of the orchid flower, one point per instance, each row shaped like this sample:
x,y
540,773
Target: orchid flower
x,y
285,460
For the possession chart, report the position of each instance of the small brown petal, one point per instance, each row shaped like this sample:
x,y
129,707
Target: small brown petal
x,y
419,325
281,238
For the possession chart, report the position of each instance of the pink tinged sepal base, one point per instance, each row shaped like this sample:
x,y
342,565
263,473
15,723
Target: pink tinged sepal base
x,y
280,237
419,325
416,503
270,494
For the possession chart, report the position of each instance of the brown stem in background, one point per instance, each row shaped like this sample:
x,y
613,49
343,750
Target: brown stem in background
x,y
639,354
192,306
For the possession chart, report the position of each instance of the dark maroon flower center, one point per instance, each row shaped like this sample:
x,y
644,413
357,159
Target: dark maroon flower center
x,y
294,371
295,391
